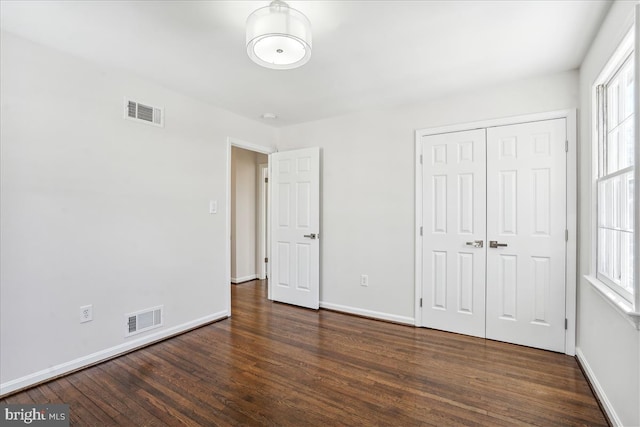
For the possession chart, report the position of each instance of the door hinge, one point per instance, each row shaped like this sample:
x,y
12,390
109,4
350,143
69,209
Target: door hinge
x,y
266,259
266,180
566,324
420,158
566,146
421,230
566,235
420,302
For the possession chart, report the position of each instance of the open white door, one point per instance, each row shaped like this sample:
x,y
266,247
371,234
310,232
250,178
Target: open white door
x,y
295,227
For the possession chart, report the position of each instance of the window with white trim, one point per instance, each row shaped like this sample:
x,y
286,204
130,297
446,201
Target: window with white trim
x,y
615,101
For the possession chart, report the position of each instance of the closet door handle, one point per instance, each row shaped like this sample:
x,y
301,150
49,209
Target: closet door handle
x,y
495,244
476,243
312,236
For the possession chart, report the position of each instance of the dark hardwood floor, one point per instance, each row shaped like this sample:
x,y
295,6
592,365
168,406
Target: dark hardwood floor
x,y
274,364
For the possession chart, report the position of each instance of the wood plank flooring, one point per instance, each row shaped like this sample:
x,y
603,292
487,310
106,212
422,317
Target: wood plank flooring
x,y
274,364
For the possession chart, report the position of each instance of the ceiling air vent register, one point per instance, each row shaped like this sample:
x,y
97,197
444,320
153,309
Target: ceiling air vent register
x,y
143,113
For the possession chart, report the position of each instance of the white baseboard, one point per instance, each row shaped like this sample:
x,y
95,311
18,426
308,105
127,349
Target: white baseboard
x,y
244,279
597,388
368,313
81,362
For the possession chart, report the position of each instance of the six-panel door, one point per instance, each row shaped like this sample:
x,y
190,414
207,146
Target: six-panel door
x,y
526,211
295,227
454,230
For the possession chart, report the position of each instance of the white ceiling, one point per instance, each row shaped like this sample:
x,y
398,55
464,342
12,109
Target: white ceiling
x,y
366,54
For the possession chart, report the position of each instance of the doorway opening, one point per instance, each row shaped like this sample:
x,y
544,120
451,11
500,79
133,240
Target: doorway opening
x,y
247,210
293,224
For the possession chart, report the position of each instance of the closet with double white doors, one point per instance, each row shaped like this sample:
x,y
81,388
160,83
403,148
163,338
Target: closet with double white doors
x,y
493,232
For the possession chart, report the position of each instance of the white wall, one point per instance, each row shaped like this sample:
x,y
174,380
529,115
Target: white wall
x,y
368,187
244,208
607,344
101,210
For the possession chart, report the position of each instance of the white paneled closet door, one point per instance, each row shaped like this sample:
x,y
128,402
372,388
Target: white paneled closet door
x,y
526,213
454,221
494,222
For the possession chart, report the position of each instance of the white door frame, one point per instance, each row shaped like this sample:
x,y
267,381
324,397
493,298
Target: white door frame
x,y
572,193
262,242
234,142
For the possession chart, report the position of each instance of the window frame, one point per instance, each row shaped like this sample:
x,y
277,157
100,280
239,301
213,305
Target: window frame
x,y
627,303
604,176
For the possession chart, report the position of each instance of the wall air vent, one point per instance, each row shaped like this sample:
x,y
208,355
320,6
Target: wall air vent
x,y
142,321
143,113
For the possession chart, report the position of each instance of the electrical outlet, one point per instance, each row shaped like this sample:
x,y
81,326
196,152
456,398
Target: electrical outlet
x,y
86,313
364,280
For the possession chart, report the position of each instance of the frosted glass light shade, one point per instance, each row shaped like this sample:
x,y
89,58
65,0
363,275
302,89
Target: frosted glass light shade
x,y
278,37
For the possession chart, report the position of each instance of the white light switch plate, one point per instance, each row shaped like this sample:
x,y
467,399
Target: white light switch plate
x,y
213,206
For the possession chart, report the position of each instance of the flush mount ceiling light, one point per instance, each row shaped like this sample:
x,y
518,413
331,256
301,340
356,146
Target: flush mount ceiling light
x,y
278,37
